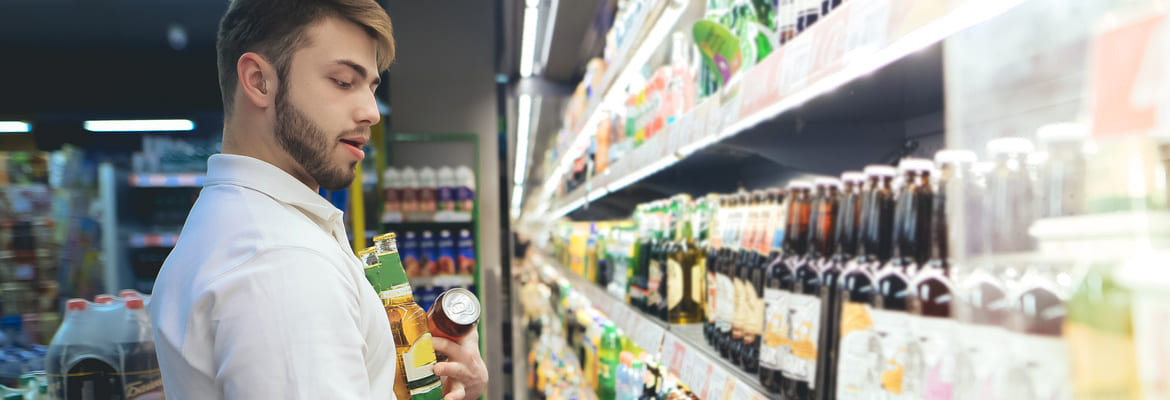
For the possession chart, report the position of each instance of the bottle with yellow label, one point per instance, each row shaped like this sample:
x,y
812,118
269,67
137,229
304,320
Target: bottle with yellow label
x,y
415,378
685,268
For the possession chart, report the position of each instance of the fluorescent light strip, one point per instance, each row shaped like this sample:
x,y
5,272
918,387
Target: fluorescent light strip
x,y
517,194
528,41
614,96
140,125
523,129
15,127
550,28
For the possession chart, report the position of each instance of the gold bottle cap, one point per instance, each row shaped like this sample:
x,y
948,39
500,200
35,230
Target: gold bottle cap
x,y
384,236
369,256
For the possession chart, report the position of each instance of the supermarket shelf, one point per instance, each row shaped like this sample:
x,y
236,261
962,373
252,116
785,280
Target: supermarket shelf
x,y
681,348
665,14
185,180
146,240
851,43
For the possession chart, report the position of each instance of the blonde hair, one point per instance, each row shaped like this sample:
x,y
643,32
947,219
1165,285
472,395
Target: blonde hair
x,y
275,29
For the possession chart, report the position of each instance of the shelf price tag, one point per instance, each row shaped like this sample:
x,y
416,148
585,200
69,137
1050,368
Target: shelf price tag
x,y
673,353
797,61
757,93
695,370
1127,92
729,107
829,44
719,386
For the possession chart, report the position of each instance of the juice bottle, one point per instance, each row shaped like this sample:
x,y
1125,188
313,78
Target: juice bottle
x,y
804,305
857,369
891,321
845,237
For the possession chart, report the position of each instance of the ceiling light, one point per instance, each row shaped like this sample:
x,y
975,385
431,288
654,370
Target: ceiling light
x,y
523,126
14,127
140,125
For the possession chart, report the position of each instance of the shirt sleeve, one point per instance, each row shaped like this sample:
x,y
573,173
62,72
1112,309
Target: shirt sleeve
x,y
287,326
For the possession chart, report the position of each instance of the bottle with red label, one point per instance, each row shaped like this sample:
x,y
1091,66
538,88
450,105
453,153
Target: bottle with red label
x,y
775,354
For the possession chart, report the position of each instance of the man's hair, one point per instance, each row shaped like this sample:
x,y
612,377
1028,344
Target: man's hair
x,y
276,29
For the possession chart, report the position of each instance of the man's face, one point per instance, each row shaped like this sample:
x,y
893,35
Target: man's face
x,y
325,105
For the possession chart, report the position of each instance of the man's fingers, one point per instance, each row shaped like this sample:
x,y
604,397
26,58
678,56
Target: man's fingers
x,y
445,346
457,392
454,370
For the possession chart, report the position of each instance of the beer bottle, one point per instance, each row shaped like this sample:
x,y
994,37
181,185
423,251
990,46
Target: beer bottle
x,y
847,218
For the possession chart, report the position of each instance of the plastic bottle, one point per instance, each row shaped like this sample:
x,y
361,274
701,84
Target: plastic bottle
x,y
446,189
134,345
428,186
392,195
609,355
465,191
409,186
77,367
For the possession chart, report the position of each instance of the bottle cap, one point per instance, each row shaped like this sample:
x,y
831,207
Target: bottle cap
x,y
915,164
384,236
884,171
954,157
1037,158
853,176
128,293
1010,145
626,358
76,305
796,185
103,299
828,182
135,303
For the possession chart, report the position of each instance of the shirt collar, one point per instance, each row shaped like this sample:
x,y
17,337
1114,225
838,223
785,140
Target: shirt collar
x,y
258,175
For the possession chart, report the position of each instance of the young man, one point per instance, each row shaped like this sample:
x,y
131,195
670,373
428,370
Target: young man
x,y
263,298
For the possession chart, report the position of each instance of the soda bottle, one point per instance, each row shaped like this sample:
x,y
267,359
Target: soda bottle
x,y
855,369
608,355
138,361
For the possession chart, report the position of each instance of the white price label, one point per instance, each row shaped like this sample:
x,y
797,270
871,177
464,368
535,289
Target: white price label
x,y
695,370
717,385
797,59
730,110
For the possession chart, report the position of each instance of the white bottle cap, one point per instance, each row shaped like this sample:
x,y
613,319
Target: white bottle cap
x,y
427,178
880,171
915,164
828,182
1062,132
954,157
853,176
392,178
799,185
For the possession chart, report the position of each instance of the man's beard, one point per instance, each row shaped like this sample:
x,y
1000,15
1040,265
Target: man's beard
x,y
308,145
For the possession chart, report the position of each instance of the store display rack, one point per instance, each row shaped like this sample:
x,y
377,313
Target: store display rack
x,y
852,42
681,348
146,240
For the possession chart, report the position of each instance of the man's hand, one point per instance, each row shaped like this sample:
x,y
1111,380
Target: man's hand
x,y
464,374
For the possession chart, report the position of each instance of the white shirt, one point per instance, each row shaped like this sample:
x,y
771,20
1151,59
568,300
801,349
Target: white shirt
x,y
263,297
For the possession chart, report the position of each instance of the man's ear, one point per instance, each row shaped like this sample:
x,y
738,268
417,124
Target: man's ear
x,y
257,79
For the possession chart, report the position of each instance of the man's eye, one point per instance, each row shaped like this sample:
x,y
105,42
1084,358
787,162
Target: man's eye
x,y
343,85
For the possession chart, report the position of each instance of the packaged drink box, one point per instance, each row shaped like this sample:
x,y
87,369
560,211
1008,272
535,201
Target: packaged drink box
x,y
428,254
408,248
446,253
466,253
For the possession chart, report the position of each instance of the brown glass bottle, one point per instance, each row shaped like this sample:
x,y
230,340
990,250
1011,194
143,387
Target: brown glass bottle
x,y
711,250
775,353
754,283
847,219
893,281
930,351
854,368
805,304
726,276
684,267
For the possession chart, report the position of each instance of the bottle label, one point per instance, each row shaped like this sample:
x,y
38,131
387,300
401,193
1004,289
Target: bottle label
x,y
674,283
755,309
804,312
653,283
892,333
698,273
726,302
776,345
979,361
858,366
930,369
1040,368
741,315
418,363
1104,363
712,296
141,377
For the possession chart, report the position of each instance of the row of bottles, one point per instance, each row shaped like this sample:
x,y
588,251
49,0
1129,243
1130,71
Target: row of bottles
x,y
938,279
